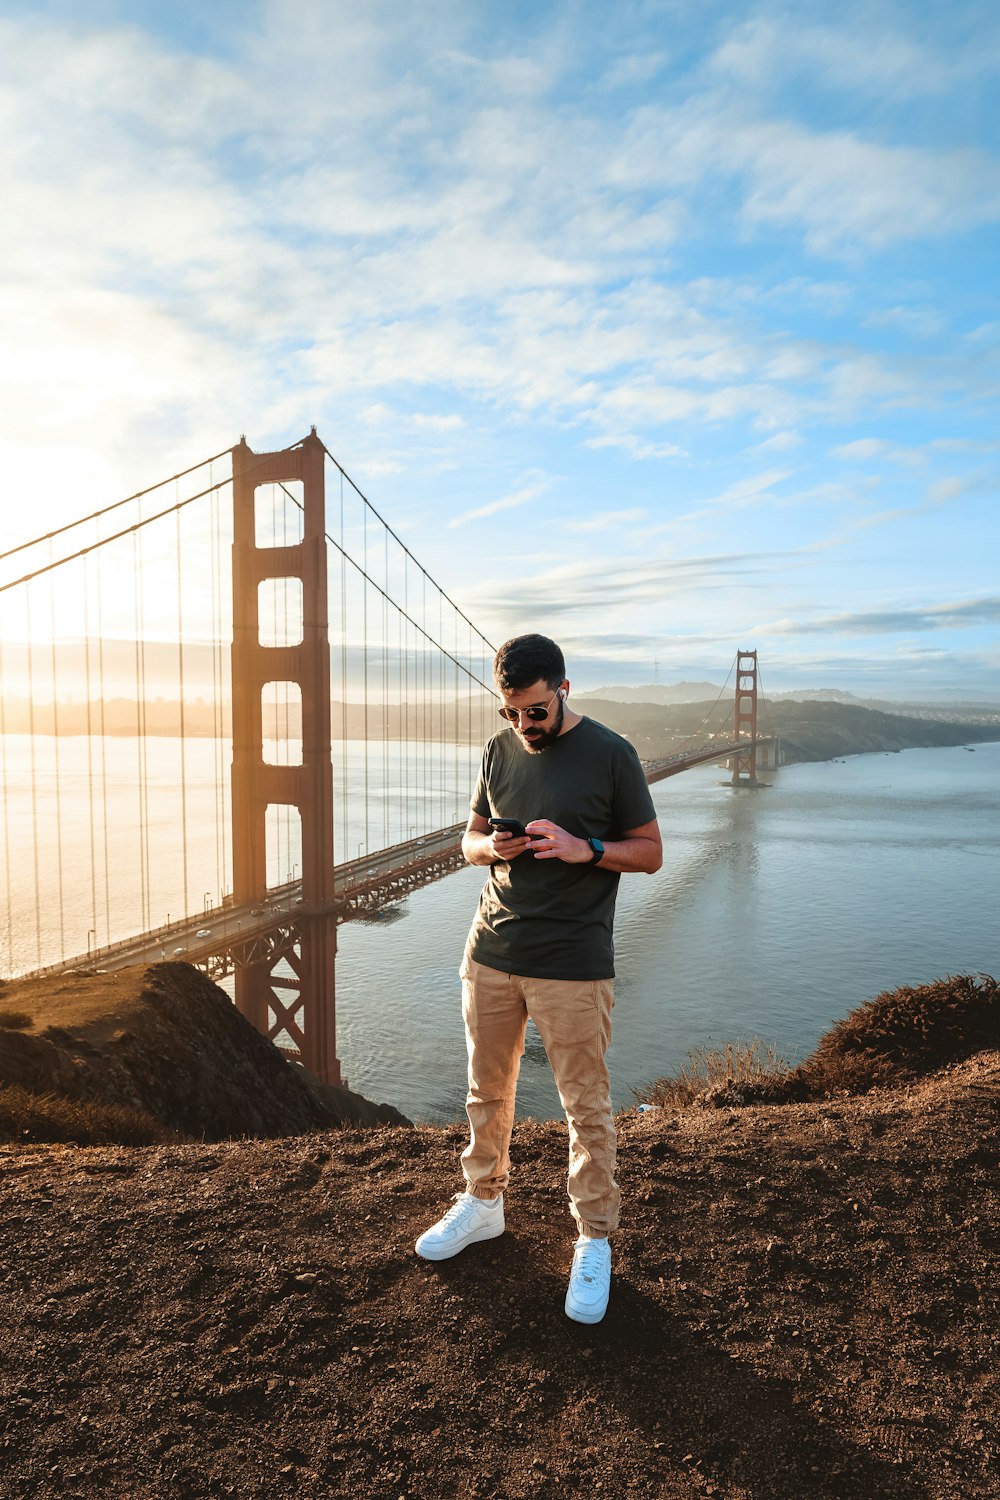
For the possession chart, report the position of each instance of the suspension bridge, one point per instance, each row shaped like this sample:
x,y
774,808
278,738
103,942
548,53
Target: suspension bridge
x,y
236,711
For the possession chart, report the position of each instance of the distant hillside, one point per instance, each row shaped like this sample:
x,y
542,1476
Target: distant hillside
x,y
656,692
814,730
941,707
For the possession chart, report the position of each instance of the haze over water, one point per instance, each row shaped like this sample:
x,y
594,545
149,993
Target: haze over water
x,y
774,914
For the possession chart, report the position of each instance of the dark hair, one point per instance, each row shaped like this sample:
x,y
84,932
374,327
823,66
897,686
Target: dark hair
x,y
525,659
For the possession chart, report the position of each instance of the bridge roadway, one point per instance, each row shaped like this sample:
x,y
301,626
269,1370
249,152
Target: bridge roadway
x,y
670,765
226,937
222,938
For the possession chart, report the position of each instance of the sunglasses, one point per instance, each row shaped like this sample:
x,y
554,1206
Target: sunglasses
x,y
537,711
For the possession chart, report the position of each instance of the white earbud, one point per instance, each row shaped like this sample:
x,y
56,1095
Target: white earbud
x,y
562,692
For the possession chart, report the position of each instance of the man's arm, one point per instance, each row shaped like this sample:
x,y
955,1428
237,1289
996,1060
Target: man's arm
x,y
640,852
483,845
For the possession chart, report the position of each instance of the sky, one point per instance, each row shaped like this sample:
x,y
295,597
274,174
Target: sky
x,y
664,329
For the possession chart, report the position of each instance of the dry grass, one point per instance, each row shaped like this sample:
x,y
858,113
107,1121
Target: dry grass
x,y
902,1034
15,1020
27,1117
906,1033
751,1068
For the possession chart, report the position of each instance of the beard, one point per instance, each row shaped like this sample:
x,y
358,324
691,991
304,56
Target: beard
x,y
536,739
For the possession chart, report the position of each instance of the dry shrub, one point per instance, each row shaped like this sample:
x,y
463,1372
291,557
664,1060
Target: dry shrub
x,y
906,1032
901,1034
15,1020
27,1117
739,1073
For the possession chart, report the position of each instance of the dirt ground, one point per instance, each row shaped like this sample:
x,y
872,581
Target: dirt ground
x,y
804,1305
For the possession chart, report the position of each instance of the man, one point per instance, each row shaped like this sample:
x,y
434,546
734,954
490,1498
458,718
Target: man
x,y
541,946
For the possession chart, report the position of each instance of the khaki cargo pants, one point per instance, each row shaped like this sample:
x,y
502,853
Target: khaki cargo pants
x,y
573,1018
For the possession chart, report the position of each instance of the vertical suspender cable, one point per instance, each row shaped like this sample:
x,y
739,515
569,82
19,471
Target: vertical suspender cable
x,y
285,692
346,844
57,759
424,732
140,724
91,800
185,908
104,740
402,720
467,758
7,808
29,638
364,629
404,667
218,726
289,812
385,698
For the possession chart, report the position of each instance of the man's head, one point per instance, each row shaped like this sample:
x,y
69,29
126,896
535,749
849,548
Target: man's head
x,y
530,675
526,659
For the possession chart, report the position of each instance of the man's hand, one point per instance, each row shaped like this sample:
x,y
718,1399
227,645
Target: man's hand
x,y
483,845
638,852
506,846
552,842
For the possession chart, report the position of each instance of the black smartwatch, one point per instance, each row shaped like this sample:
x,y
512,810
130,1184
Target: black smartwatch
x,y
597,851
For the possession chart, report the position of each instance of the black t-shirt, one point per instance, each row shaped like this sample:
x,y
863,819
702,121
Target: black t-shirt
x,y
546,919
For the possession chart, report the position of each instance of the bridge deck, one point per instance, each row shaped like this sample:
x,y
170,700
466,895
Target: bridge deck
x,y
229,936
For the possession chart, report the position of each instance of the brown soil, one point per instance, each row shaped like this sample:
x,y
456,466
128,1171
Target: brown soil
x,y
163,1044
804,1306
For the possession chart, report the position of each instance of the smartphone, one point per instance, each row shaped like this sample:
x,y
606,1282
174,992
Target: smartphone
x,y
510,825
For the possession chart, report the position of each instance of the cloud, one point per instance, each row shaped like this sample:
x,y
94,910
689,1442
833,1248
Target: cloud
x,y
921,322
507,502
845,192
971,612
606,520
471,251
861,450
778,443
637,447
668,585
447,422
634,67
746,491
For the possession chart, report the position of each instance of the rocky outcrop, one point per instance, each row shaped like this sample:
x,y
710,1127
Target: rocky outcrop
x,y
169,1044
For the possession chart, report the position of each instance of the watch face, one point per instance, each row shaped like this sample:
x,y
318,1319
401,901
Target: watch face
x,y
597,847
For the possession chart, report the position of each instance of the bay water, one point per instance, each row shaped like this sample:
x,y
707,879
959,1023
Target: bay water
x,y
775,913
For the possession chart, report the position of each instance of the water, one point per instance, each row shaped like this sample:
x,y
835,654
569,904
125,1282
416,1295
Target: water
x,y
110,836
775,913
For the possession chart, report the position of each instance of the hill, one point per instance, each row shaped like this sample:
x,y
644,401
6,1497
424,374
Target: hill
x,y
804,1307
146,1054
804,1303
810,731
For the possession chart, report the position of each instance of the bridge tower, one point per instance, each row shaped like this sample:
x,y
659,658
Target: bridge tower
x,y
745,718
308,1014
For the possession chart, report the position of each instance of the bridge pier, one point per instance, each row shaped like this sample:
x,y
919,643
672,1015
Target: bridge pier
x,y
745,719
309,1015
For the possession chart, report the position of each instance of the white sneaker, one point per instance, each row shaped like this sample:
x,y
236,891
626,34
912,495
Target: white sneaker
x,y
468,1220
589,1281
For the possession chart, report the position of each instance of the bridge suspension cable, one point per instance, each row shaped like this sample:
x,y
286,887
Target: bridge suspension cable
x,y
696,734
96,515
103,797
